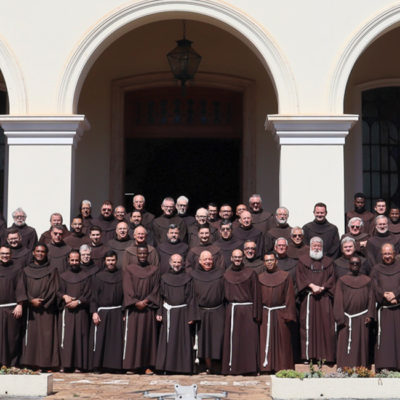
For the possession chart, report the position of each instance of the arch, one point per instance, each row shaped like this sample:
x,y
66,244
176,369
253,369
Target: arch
x,y
125,19
374,28
14,80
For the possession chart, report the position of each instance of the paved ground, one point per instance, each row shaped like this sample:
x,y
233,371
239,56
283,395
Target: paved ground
x,y
112,387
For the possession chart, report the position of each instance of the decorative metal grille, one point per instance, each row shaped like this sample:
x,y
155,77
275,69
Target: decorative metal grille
x,y
381,144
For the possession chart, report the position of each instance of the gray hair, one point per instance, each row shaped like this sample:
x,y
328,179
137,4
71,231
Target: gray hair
x,y
85,247
202,209
87,202
380,217
281,238
355,219
255,195
18,210
168,199
282,208
182,199
56,214
316,239
347,239
296,228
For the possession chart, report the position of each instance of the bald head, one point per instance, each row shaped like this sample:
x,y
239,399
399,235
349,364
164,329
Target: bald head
x,y
206,260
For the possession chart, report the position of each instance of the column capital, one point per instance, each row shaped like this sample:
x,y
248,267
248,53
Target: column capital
x,y
310,130
43,130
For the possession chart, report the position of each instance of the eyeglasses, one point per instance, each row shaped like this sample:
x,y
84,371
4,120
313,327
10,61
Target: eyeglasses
x,y
355,226
355,263
225,229
249,248
297,235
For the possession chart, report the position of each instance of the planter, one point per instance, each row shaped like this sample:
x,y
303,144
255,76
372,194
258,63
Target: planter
x,y
26,385
334,388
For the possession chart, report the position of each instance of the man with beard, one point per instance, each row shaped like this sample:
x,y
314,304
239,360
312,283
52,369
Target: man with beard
x,y
394,220
106,221
325,230
381,236
279,311
386,282
177,313
76,238
182,206
139,239
12,297
85,211
238,211
341,264
87,264
208,283
135,221
354,307
315,279
356,232
247,231
141,283
262,220
120,242
201,221
380,209
107,333
225,213
283,261
243,314
281,228
55,219
28,234
139,204
160,225
360,212
250,259
58,250
296,245
97,245
40,347
173,245
19,254
74,295
213,218
193,255
227,242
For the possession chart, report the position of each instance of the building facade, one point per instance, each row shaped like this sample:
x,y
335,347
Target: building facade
x,y
296,101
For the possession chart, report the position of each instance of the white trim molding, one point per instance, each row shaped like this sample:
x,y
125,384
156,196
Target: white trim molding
x,y
215,12
43,130
311,130
378,25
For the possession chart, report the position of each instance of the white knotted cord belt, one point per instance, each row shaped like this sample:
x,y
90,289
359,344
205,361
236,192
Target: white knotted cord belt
x,y
350,317
95,327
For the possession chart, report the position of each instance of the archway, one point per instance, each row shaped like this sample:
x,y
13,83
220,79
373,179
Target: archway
x,y
119,70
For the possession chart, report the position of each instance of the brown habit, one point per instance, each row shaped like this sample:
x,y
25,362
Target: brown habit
x,y
241,286
40,345
321,326
106,342
276,347
353,295
139,283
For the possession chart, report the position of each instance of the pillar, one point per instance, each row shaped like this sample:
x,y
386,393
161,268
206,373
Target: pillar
x,y
39,165
312,164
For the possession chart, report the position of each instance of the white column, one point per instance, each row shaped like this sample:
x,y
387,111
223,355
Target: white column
x,y
311,164
39,165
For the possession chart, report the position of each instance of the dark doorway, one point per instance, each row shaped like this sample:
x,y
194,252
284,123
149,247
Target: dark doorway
x,y
204,170
183,144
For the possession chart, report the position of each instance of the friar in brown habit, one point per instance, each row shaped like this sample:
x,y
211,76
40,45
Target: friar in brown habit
x,y
19,254
107,329
296,244
322,228
76,238
262,219
74,296
208,283
356,232
12,297
177,313
281,228
98,248
40,344
361,212
315,279
173,245
160,224
192,258
386,281
106,221
279,311
394,220
243,314
227,242
354,307
141,283
58,249
120,242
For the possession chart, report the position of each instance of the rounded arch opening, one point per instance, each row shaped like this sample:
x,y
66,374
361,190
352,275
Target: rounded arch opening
x,y
133,16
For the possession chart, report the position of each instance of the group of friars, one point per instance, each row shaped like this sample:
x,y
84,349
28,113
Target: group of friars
x,y
217,292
